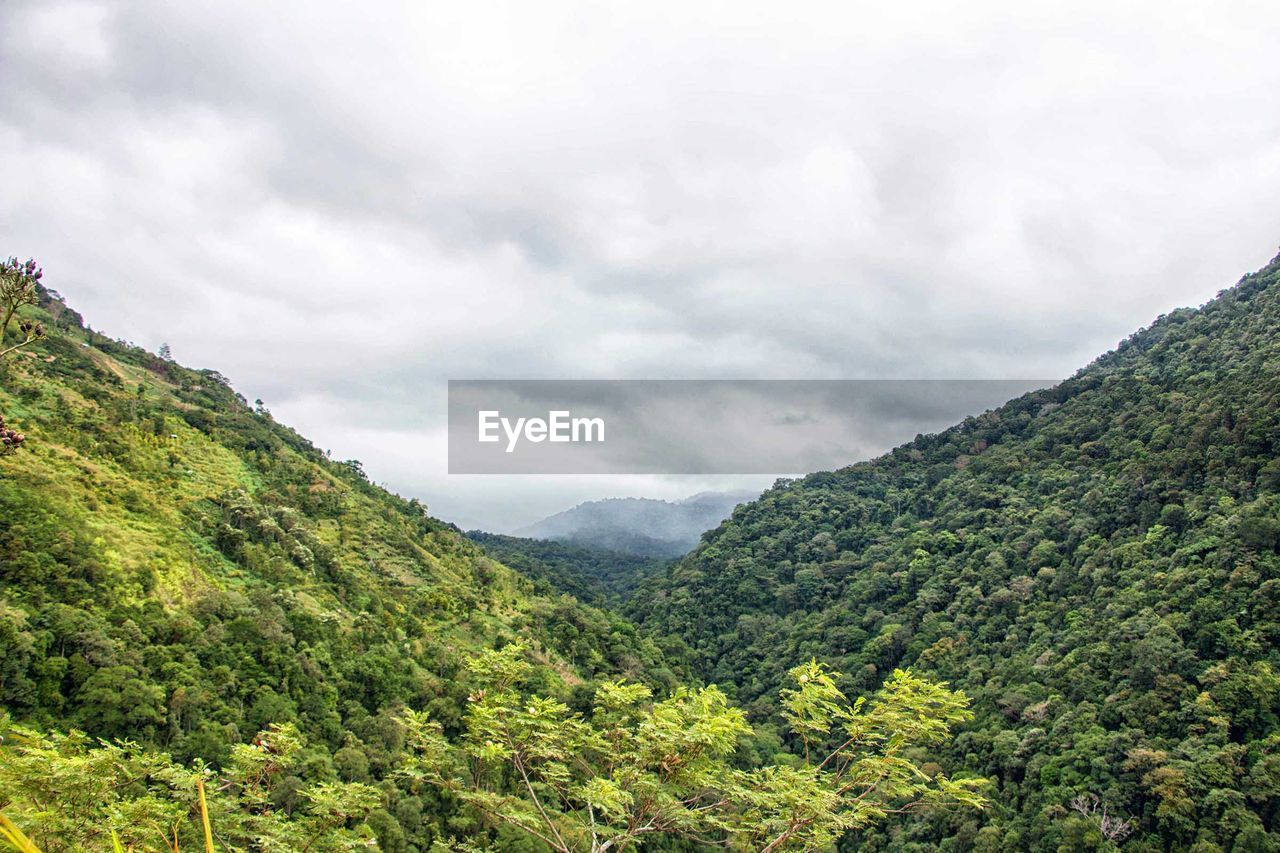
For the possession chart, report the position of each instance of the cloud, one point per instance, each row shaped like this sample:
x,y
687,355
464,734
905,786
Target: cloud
x,y
337,204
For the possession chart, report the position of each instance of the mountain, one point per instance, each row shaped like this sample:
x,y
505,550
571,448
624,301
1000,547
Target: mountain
x,y
1095,564
180,570
640,526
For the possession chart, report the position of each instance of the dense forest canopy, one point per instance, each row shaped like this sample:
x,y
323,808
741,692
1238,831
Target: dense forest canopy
x,y
595,575
1097,565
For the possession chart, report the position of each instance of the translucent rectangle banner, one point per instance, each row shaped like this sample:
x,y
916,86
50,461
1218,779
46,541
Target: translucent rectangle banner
x,y
701,426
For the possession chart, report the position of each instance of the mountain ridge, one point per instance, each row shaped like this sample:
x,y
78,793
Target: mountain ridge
x,y
645,527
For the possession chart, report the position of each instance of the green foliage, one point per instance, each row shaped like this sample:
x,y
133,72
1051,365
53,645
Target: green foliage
x,y
68,793
15,838
629,770
869,773
1096,565
634,767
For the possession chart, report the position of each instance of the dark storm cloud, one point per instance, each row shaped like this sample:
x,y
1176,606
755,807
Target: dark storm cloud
x,y
340,207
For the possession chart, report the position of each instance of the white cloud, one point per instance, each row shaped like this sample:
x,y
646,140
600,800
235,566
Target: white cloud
x,y
338,203
75,33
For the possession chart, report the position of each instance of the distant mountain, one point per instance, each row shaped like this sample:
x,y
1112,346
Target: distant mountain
x,y
639,526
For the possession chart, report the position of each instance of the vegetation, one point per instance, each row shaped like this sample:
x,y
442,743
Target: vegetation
x,y
1097,565
66,793
636,767
19,286
179,572
593,575
633,769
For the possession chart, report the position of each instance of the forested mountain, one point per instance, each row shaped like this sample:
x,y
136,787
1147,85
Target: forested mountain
x,y
644,527
1095,564
214,637
594,575
178,569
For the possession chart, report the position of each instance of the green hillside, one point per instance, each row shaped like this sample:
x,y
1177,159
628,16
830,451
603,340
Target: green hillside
x,y
1095,564
178,569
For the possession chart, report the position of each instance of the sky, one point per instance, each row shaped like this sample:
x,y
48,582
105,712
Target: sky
x,y
341,206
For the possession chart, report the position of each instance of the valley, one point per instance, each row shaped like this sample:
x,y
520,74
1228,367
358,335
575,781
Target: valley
x,y
1069,602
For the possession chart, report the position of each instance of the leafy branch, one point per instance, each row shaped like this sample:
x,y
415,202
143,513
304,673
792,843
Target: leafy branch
x,y
635,767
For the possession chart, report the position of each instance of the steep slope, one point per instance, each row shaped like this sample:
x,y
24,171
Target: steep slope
x,y
1095,563
179,569
643,527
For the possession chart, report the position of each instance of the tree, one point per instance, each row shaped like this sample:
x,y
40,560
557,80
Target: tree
x,y
1093,809
637,768
19,285
868,773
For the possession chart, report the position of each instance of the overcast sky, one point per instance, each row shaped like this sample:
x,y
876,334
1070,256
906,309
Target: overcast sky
x,y
341,208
